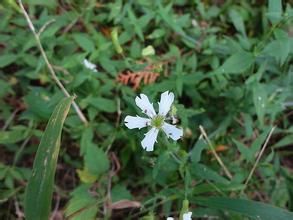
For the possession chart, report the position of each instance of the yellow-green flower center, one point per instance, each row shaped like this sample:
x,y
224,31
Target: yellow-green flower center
x,y
157,121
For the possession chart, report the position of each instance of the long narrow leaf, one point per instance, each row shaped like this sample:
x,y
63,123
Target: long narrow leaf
x,y
38,196
255,210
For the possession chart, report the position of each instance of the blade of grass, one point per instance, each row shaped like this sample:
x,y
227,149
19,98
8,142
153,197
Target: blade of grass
x,y
252,209
38,195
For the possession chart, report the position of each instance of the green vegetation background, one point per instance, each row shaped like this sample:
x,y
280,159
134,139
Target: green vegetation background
x,y
229,64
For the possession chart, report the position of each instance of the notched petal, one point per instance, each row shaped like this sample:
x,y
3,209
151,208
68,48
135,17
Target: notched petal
x,y
172,131
136,122
144,104
149,140
165,103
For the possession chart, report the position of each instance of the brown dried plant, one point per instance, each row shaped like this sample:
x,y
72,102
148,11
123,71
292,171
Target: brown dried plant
x,y
148,76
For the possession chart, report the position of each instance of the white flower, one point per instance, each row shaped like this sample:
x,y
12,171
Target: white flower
x,y
155,121
89,65
186,216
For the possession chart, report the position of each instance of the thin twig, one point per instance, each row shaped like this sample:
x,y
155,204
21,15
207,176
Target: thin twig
x,y
60,68
227,172
51,69
9,120
56,208
258,158
45,26
19,151
19,213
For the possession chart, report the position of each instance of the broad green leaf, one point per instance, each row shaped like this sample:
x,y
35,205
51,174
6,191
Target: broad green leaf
x,y
13,136
275,11
120,192
246,152
38,102
237,20
237,63
206,173
82,206
157,33
279,49
38,195
7,59
103,104
84,42
86,139
51,4
199,146
86,177
252,209
96,160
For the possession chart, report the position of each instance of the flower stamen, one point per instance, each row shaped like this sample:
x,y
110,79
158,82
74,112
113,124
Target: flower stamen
x,y
157,121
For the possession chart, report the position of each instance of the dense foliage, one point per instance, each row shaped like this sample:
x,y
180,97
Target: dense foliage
x,y
229,64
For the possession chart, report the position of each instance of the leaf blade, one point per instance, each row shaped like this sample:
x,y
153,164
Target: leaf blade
x,y
39,190
256,210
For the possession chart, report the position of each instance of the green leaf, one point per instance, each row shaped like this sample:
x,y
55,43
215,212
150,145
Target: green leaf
x,y
279,49
103,104
5,88
120,192
237,20
14,136
252,209
38,102
96,160
86,139
135,24
286,141
259,141
7,59
38,195
82,205
204,172
260,101
208,188
8,193
246,152
84,42
275,11
237,63
199,146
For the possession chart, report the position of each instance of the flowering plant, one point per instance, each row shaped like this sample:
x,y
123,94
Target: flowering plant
x,y
155,121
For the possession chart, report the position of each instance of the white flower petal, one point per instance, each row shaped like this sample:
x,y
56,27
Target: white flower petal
x,y
170,218
187,216
136,122
165,103
172,131
144,104
89,65
149,140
